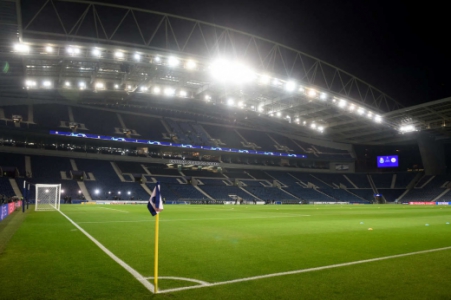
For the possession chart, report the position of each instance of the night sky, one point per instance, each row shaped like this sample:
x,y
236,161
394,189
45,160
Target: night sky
x,y
396,46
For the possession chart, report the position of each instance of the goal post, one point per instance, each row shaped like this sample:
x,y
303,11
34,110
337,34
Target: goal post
x,y
47,197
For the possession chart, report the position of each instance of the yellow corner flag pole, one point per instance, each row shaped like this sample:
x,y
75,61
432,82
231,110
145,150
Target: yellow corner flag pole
x,y
156,253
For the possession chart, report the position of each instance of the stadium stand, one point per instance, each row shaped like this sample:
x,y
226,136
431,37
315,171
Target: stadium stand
x,y
6,188
404,179
306,178
201,173
260,139
97,121
13,160
382,181
360,180
227,135
147,127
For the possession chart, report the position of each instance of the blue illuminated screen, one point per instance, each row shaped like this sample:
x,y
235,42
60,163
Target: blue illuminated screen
x,y
388,161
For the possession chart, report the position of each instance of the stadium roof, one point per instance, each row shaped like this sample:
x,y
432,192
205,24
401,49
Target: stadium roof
x,y
59,50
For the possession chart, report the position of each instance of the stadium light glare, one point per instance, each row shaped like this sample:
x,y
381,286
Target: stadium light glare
x,y
301,89
173,61
230,102
100,85
97,191
290,86
312,93
128,193
47,83
49,49
67,84
79,192
361,111
231,72
378,119
320,128
183,94
265,79
62,191
369,115
191,64
137,56
82,85
260,109
21,48
207,98
351,107
30,83
313,125
276,82
156,90
157,59
116,86
407,128
279,113
342,103
73,50
119,54
169,91
119,192
305,122
144,89
96,52
323,96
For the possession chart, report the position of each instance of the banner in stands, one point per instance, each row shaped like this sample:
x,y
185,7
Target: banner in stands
x,y
121,202
342,167
443,203
330,202
192,162
169,144
3,211
421,203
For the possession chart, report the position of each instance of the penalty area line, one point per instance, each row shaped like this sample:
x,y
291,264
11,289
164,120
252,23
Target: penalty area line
x,y
303,270
129,269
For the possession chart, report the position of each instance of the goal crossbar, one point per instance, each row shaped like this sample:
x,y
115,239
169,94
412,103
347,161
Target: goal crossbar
x,y
47,196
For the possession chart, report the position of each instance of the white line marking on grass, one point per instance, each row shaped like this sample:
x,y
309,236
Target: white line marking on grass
x,y
303,270
182,278
132,271
206,219
114,209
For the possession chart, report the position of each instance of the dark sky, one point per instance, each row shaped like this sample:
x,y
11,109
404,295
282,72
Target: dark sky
x,y
397,46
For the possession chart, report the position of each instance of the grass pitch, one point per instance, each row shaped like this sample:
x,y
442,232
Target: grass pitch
x,y
49,258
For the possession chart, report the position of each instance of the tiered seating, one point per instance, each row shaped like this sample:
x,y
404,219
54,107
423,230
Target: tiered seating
x,y
148,127
259,174
130,167
283,177
202,173
108,181
48,116
382,181
13,160
259,138
334,178
308,194
6,188
360,180
202,134
391,194
253,183
21,110
160,169
305,178
342,195
285,141
403,179
101,122
227,135
366,194
235,173
221,192
269,193
428,194
422,181
181,136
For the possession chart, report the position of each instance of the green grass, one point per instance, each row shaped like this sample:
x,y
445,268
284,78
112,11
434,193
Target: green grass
x,y
48,258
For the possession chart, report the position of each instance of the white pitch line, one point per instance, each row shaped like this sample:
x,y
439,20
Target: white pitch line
x,y
206,219
114,209
181,278
302,271
129,269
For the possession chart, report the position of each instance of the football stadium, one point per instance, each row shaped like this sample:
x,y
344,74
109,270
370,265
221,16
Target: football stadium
x,y
147,155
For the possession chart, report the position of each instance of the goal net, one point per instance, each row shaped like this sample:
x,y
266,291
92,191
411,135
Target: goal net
x,y
48,196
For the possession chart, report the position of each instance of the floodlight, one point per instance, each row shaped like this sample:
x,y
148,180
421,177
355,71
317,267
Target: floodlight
x,y
100,85
301,89
313,125
169,91
260,109
144,89
119,54
407,128
183,94
361,111
321,128
265,79
312,93
207,98
82,85
157,59
352,107
369,115
97,192
173,61
116,86
297,120
73,50
252,107
30,83
109,192
22,48
342,103
119,192
49,49
156,90
46,191
230,102
191,64
241,104
79,192
305,122
290,86
47,83
129,87
67,83
128,192
62,191
137,56
323,96
96,52
276,82
378,119
279,113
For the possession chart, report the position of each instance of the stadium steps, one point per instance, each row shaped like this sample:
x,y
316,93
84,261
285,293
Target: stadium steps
x,y
321,192
15,187
146,188
372,184
204,193
355,195
118,171
247,192
84,190
290,194
393,181
28,169
74,165
322,181
402,195
414,181
426,183
441,195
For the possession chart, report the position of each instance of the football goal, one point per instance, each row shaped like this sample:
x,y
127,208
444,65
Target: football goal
x,y
48,196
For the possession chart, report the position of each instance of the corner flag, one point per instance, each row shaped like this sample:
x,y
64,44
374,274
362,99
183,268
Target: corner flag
x,y
155,204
